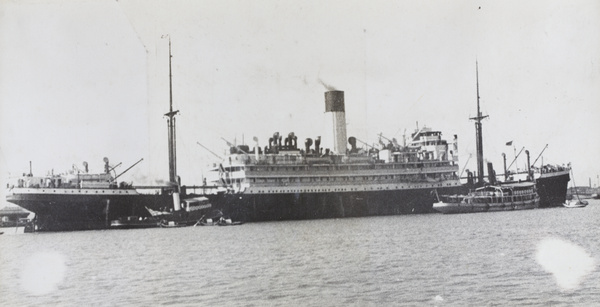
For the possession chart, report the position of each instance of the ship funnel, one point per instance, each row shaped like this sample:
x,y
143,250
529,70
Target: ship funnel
x,y
334,103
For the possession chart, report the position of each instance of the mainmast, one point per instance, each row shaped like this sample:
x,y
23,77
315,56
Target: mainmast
x,y
171,126
478,134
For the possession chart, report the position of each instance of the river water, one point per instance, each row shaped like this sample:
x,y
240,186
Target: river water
x,y
523,258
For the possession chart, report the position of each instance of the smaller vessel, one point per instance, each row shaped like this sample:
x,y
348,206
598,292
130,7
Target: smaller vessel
x,y
217,219
505,197
13,216
173,224
132,222
206,222
228,222
575,203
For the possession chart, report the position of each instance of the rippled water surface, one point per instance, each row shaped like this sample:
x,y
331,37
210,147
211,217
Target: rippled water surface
x,y
533,258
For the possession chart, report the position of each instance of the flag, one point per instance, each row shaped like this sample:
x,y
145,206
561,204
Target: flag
x,y
509,143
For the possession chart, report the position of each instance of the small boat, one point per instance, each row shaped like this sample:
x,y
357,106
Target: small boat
x,y
575,203
228,222
218,222
131,222
172,224
206,222
505,197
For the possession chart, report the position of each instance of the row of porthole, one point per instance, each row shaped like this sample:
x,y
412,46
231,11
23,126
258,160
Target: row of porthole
x,y
304,191
335,190
73,191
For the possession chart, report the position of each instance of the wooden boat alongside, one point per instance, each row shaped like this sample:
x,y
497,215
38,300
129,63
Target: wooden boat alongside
x,y
514,196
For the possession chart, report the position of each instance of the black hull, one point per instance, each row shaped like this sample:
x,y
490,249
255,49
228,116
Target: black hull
x,y
301,206
64,212
552,188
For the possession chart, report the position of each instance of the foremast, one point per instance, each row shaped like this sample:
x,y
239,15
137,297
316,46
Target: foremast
x,y
478,133
171,129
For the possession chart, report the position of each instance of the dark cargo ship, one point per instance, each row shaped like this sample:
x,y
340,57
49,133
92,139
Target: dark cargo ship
x,y
550,181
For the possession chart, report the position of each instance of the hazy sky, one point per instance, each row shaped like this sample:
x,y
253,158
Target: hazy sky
x,y
81,80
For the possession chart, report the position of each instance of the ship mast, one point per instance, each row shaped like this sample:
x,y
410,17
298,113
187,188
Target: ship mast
x,y
478,133
171,127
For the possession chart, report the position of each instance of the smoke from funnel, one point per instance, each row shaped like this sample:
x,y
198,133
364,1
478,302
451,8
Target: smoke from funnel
x,y
327,86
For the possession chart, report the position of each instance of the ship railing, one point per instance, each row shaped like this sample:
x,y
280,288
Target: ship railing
x,y
204,189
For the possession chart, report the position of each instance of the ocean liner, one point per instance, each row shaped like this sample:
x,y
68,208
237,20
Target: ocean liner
x,y
286,181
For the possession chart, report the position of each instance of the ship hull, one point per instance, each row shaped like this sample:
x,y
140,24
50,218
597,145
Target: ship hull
x,y
69,209
300,206
552,188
